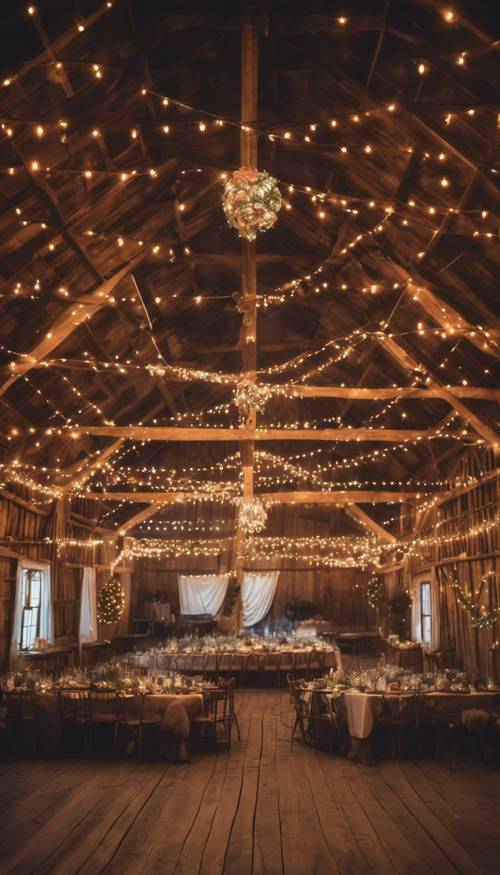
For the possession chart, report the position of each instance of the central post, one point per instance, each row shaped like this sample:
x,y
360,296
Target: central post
x,y
247,303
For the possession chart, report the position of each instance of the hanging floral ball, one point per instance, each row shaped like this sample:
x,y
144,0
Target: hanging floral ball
x,y
252,201
252,516
110,601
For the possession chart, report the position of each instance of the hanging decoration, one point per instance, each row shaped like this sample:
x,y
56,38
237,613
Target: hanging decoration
x,y
252,515
480,617
252,201
249,395
375,592
110,601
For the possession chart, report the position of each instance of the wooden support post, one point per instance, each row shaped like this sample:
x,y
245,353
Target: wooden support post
x,y
248,300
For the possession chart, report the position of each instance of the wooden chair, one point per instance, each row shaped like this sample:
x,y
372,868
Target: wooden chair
x,y
198,662
301,709
444,715
230,686
287,663
316,663
252,667
21,721
224,663
74,710
216,715
103,707
210,670
398,714
132,718
302,663
333,720
270,666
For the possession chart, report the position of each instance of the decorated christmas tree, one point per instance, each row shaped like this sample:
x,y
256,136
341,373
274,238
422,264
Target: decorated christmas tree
x,y
110,601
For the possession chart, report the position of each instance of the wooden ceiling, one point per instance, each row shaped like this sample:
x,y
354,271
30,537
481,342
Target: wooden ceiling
x,y
414,100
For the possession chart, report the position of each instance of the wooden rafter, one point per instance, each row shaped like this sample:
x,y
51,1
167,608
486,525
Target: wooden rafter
x,y
137,518
172,433
296,497
361,516
409,363
71,317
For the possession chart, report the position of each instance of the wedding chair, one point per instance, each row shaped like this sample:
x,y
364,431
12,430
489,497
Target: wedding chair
x,y
398,714
103,708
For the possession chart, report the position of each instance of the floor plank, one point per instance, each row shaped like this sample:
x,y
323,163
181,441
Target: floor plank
x,y
258,808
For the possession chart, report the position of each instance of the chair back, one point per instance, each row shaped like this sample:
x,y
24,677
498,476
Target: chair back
x,y
253,662
316,660
74,704
302,660
29,707
217,703
400,708
163,662
271,662
198,661
210,663
297,695
287,661
225,662
130,707
103,705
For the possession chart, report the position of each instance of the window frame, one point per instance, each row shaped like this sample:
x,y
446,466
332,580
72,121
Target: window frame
x,y
425,639
28,575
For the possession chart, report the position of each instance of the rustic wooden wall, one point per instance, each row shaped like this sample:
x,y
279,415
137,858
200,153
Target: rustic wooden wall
x,y
339,593
23,528
468,557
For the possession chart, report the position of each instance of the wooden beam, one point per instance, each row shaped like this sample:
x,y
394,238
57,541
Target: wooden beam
x,y
409,363
359,514
171,433
139,517
70,319
385,393
22,502
298,497
247,303
82,470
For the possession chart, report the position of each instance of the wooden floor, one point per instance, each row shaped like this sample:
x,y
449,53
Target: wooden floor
x,y
256,809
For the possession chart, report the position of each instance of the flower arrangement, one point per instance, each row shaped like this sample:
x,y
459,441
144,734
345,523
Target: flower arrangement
x,y
251,201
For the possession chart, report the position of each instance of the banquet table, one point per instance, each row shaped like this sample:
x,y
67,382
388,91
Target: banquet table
x,y
362,709
176,711
238,661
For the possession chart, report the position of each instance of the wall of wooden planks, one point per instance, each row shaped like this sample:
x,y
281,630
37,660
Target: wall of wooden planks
x,y
23,528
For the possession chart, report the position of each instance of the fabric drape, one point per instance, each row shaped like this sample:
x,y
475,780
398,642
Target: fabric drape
x,y
202,593
257,594
435,614
46,619
416,617
88,606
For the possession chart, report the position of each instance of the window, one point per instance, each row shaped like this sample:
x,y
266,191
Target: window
x,y
425,612
32,583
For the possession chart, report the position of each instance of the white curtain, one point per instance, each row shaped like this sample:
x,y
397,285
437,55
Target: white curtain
x,y
257,594
202,593
435,614
46,622
416,627
88,607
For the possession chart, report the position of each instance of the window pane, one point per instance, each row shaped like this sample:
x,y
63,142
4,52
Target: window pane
x,y
425,590
426,630
33,581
